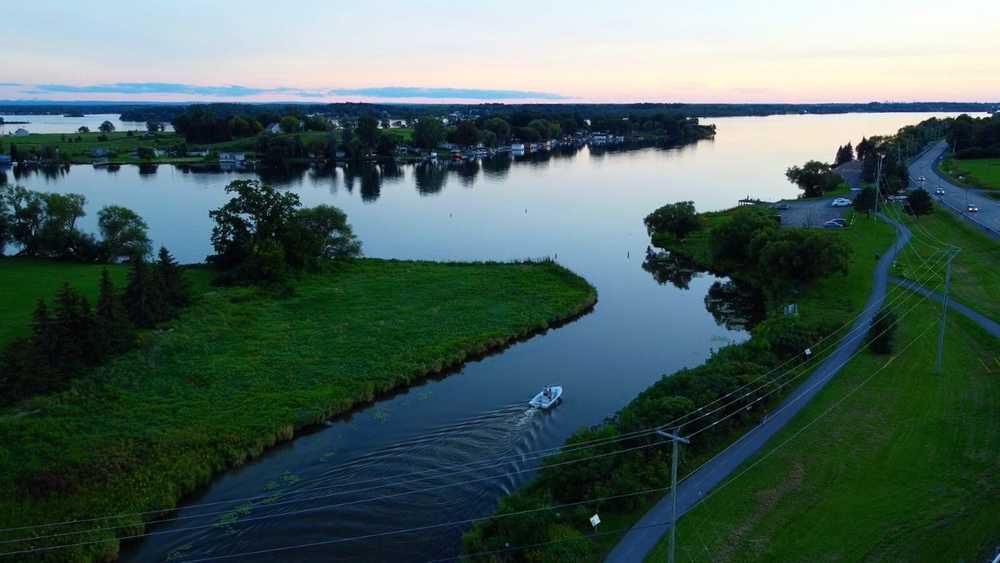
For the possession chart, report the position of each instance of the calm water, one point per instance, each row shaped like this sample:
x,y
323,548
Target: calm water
x,y
586,209
63,124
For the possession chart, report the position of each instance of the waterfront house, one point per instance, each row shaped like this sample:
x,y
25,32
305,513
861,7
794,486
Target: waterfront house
x,y
232,158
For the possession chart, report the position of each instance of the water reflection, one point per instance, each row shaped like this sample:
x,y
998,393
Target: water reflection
x,y
735,305
671,268
429,177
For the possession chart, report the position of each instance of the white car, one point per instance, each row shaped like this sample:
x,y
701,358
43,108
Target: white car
x,y
841,202
973,209
939,191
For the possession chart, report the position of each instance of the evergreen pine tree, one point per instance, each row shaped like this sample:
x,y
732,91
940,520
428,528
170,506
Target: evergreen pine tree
x,y
142,296
114,330
175,290
74,332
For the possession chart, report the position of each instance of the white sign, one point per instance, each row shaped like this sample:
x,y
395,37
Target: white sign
x,y
595,520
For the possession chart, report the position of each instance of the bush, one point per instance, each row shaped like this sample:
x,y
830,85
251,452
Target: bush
x,y
919,202
882,334
678,219
814,178
865,201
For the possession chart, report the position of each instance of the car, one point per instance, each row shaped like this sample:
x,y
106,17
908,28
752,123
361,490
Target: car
x,y
939,191
841,202
922,179
973,209
837,223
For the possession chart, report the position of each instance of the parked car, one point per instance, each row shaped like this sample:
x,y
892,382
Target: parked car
x,y
973,209
841,202
939,191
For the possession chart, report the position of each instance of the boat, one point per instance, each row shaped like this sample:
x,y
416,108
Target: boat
x,y
547,398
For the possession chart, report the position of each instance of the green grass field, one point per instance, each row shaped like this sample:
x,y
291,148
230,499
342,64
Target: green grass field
x,y
975,276
25,280
240,371
118,144
979,172
903,469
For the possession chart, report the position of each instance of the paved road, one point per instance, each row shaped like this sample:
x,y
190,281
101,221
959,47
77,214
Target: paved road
x,y
988,324
954,198
640,540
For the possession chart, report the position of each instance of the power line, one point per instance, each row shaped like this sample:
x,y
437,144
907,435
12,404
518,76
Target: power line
x,y
162,532
469,467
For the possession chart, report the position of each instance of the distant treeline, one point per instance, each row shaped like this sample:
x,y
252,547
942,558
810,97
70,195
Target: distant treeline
x,y
167,112
975,138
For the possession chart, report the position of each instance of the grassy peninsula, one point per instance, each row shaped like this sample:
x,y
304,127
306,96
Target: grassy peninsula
x,y
241,370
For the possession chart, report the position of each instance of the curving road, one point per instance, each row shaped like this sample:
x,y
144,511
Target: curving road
x,y
636,544
988,324
954,198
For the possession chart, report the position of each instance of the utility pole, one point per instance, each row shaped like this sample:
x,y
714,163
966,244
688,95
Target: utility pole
x,y
675,438
878,181
944,312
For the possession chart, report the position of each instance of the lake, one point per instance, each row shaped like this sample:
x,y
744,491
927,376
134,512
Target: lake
x,y
402,463
62,124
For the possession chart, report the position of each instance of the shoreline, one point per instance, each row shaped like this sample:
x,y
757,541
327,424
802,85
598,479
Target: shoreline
x,y
162,503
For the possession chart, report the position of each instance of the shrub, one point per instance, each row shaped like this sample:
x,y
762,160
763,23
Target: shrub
x,y
882,333
919,202
678,219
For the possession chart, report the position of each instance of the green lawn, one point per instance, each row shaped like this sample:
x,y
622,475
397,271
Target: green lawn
x,y
978,172
117,144
975,279
240,371
25,280
904,469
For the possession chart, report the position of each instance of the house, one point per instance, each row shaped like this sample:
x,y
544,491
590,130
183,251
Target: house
x,y
99,153
233,158
21,132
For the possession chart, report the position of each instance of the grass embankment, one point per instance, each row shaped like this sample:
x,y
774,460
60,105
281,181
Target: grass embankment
x,y
904,469
25,280
975,276
979,172
823,306
239,372
117,145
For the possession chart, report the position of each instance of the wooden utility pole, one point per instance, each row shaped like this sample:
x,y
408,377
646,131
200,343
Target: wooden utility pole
x,y
676,439
944,311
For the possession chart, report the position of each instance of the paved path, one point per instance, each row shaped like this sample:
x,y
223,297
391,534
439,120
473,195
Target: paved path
x,y
988,324
954,198
636,544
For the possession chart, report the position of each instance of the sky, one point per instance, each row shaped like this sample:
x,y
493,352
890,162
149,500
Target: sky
x,y
509,51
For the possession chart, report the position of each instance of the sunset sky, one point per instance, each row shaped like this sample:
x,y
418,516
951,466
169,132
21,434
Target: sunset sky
x,y
508,51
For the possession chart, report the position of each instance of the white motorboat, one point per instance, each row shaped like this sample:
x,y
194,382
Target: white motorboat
x,y
547,398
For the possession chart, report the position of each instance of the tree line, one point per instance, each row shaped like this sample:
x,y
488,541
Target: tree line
x,y
70,335
44,224
975,137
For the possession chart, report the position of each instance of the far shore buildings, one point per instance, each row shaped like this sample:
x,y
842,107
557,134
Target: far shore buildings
x,y
232,158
